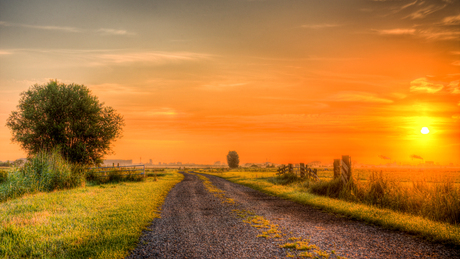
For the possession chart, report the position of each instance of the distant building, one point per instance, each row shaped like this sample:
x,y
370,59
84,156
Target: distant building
x,y
314,164
217,163
118,162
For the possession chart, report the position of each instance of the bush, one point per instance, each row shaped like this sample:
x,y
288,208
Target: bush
x,y
113,176
43,172
3,175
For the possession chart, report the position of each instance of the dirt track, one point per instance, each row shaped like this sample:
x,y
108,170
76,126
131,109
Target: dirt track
x,y
196,224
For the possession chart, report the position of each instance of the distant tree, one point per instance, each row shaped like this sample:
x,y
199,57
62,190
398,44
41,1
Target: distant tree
x,y
254,166
18,162
233,159
67,117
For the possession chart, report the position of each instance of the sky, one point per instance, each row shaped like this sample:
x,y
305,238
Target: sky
x,y
281,81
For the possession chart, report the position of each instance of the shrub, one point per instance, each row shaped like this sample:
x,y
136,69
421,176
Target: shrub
x,y
3,175
43,172
113,176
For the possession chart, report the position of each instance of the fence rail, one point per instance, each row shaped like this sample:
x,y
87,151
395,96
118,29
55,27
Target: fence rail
x,y
302,170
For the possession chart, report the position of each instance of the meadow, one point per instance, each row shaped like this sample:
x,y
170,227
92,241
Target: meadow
x,y
98,221
423,202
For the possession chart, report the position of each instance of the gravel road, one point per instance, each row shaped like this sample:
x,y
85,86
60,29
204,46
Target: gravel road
x,y
195,223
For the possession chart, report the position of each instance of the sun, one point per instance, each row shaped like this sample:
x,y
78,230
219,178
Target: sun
x,y
425,130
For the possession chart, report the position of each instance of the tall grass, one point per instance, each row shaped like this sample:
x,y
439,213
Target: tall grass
x,y
3,175
46,171
436,201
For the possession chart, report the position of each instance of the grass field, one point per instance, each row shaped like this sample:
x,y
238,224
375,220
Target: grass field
x,y
429,229
102,221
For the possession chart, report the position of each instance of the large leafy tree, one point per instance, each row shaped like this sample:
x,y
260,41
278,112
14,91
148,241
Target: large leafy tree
x,y
233,159
66,117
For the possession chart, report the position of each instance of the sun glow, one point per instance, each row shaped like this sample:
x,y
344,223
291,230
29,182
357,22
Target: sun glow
x,y
425,130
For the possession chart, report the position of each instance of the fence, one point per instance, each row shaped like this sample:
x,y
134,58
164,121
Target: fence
x,y
302,170
342,169
123,169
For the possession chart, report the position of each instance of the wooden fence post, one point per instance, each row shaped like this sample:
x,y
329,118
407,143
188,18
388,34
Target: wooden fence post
x,y
346,166
302,169
290,168
336,168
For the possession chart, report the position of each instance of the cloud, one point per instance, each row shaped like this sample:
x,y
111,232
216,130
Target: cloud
x,y
451,20
422,85
151,57
221,86
118,89
428,34
104,31
456,116
423,12
165,111
439,34
416,157
398,9
396,32
320,26
4,52
144,112
354,96
399,95
41,27
456,63
454,87
384,157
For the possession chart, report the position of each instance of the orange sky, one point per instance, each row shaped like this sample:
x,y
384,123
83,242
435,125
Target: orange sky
x,y
283,81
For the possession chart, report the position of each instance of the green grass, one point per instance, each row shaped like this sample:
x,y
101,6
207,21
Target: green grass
x,y
429,229
103,221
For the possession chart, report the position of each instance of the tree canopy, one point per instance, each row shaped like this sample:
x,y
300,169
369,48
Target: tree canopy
x,y
233,159
66,117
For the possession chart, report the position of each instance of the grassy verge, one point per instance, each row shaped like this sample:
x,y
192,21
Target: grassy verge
x,y
103,221
431,230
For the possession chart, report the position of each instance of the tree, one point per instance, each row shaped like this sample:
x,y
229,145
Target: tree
x,y
233,159
18,162
66,117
